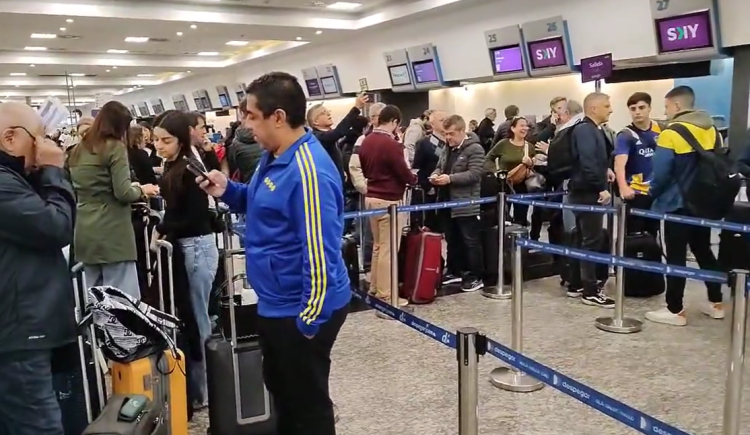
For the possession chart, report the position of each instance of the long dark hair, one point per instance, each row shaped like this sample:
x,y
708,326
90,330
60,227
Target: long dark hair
x,y
177,124
111,123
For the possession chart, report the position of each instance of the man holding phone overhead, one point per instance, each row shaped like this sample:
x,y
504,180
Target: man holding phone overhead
x,y
296,203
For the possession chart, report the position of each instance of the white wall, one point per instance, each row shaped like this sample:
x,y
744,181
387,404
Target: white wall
x,y
533,96
622,28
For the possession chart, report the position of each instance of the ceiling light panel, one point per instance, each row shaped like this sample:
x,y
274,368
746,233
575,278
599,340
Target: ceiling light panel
x,y
344,6
35,48
116,51
77,74
238,43
145,75
17,74
69,20
43,36
136,39
208,53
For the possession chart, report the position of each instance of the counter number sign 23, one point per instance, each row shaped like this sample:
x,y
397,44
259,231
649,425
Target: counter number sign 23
x,y
662,5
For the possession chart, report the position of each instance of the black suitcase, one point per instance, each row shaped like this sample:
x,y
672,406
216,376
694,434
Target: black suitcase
x,y
129,415
639,283
68,384
536,265
734,246
257,416
350,254
570,268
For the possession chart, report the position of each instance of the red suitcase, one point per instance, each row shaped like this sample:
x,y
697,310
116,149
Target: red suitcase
x,y
422,267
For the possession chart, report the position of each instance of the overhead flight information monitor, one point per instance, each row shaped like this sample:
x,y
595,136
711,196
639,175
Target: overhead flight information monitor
x,y
506,53
312,84
180,102
224,100
398,66
686,30
548,47
425,66
329,80
239,91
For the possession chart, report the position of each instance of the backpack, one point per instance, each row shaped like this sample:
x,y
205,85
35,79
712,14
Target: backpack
x,y
716,182
560,157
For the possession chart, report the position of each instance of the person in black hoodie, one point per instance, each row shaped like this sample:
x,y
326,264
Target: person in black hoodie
x,y
486,129
320,121
589,185
426,156
510,113
243,155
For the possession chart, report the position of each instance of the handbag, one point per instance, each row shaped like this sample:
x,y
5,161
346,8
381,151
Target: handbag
x,y
521,172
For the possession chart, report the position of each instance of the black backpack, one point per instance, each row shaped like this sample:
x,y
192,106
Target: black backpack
x,y
560,157
717,181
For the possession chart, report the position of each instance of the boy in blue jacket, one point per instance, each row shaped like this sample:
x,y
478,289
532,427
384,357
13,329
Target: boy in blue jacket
x,y
295,203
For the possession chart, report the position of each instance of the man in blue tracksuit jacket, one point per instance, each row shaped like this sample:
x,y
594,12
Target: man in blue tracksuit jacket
x,y
294,205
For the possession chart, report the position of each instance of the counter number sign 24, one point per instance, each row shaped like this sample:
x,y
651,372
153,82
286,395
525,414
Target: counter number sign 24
x,y
662,5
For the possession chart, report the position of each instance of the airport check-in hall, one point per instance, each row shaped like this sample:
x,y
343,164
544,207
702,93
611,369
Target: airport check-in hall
x,y
463,217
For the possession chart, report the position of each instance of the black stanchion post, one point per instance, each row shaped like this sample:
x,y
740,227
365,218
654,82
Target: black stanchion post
x,y
509,378
736,361
500,290
619,323
469,345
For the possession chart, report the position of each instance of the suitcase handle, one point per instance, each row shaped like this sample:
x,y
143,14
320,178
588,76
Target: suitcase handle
x,y
166,246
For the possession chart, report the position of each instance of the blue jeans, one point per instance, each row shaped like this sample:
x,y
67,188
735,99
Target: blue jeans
x,y
28,405
201,262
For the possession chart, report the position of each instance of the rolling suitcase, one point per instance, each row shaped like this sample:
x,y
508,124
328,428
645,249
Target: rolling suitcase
x,y
536,264
160,377
77,379
129,415
239,403
639,283
350,254
734,246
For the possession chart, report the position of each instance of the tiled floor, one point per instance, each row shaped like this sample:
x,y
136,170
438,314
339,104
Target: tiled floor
x,y
389,379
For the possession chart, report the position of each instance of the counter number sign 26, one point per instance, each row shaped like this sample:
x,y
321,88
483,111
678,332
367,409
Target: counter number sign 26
x,y
662,5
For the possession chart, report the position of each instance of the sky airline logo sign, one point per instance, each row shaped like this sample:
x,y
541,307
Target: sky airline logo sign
x,y
547,53
686,32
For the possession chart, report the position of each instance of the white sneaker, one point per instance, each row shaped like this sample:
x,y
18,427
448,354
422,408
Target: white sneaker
x,y
667,317
714,310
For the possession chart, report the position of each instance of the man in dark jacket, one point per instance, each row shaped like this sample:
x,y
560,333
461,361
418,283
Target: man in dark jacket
x,y
36,289
589,185
319,119
459,176
510,112
243,155
544,130
486,129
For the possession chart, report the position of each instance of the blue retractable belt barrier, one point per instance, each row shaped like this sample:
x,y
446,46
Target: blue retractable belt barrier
x,y
621,412
426,328
575,207
628,263
721,225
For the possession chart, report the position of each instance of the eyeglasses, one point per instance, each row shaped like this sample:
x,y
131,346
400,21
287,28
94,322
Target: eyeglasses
x,y
19,127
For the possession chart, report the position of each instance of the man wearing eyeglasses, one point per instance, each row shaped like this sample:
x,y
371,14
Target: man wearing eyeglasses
x,y
36,290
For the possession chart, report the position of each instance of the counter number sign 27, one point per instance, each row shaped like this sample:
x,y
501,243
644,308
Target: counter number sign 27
x,y
662,5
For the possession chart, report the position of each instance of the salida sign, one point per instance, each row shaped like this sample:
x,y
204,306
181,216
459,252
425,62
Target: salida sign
x,y
686,32
547,53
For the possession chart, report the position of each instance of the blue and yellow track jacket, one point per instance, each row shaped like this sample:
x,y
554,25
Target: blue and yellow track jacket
x,y
294,205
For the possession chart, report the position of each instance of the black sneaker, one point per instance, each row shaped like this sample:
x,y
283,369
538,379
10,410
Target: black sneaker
x,y
574,292
598,300
472,285
451,279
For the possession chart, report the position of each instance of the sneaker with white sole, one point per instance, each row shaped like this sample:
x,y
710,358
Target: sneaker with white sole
x,y
472,285
574,292
714,310
451,279
598,300
666,317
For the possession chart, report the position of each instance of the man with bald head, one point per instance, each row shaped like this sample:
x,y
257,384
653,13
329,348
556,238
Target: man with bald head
x,y
426,155
36,313
589,185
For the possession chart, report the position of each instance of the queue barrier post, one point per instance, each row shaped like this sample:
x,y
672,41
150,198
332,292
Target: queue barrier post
x,y
394,236
509,378
500,290
736,361
469,346
613,228
618,323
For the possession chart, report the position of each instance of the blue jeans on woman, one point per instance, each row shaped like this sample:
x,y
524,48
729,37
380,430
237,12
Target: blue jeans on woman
x,y
201,262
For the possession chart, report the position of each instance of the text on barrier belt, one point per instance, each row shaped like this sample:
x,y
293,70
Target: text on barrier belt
x,y
574,207
628,263
621,412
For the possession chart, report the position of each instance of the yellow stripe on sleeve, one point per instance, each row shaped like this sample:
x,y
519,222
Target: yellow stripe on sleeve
x,y
314,234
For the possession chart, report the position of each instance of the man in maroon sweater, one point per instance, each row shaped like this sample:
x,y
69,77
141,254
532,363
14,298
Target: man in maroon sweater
x,y
387,175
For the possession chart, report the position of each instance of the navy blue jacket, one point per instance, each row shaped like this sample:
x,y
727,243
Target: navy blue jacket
x,y
590,158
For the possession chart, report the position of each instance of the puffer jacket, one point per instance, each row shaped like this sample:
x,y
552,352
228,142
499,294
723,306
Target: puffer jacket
x,y
465,173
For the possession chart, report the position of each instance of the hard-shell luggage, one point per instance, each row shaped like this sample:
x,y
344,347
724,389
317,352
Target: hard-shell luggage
x,y
734,246
130,415
570,272
536,264
239,403
160,377
350,254
79,391
639,283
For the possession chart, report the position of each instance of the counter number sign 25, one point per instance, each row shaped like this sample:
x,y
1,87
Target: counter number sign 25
x,y
662,5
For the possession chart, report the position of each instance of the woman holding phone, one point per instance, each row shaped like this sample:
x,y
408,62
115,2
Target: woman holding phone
x,y
189,221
